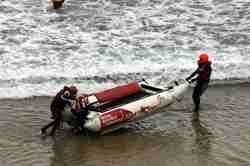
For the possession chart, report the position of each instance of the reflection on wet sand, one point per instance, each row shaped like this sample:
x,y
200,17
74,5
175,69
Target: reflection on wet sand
x,y
118,148
67,152
220,136
202,146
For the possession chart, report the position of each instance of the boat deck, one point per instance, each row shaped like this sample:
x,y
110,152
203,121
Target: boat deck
x,y
145,92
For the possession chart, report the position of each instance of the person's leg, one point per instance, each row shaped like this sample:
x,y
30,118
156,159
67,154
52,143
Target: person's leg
x,y
43,130
196,97
196,115
55,126
204,87
199,90
57,122
82,118
53,114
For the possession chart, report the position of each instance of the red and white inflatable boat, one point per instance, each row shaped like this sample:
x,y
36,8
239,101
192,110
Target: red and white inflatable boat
x,y
111,109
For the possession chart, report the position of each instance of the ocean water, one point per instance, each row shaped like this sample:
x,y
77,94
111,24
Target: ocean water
x,y
96,44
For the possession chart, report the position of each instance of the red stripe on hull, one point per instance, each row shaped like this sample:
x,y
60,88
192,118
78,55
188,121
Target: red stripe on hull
x,y
115,116
117,92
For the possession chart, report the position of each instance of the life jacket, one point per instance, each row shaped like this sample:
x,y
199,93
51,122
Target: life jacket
x,y
204,71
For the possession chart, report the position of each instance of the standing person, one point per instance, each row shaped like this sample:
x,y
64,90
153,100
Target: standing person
x,y
202,73
64,97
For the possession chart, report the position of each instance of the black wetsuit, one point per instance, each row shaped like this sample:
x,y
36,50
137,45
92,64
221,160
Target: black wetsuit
x,y
202,80
56,107
81,116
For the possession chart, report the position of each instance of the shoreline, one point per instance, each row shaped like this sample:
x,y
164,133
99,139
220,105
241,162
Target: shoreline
x,y
224,118
213,83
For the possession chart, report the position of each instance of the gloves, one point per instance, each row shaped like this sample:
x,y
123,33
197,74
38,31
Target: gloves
x,y
194,79
72,103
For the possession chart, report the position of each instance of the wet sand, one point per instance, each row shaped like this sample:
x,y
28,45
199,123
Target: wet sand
x,y
221,136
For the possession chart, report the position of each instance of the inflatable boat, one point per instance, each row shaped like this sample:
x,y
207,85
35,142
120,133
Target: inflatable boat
x,y
111,109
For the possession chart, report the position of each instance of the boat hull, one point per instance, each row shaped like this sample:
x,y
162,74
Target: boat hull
x,y
112,119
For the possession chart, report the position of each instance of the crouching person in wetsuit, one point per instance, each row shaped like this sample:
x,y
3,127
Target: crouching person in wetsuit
x,y
64,97
80,111
202,73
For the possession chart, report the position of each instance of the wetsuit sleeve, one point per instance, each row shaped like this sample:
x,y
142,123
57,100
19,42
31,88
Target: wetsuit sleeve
x,y
70,102
193,74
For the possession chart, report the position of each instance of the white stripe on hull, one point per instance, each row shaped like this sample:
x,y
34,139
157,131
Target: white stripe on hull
x,y
138,109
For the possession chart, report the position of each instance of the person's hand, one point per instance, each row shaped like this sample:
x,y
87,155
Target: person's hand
x,y
188,79
72,102
194,79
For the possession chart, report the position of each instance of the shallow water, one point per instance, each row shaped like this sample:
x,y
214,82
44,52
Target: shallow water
x,y
220,137
99,43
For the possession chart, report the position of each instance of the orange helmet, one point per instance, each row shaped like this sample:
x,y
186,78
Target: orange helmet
x,y
203,58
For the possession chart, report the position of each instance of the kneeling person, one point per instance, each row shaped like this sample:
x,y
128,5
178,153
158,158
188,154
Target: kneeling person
x,y
80,112
64,97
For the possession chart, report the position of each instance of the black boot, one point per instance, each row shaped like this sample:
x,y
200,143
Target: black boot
x,y
43,130
196,108
196,100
